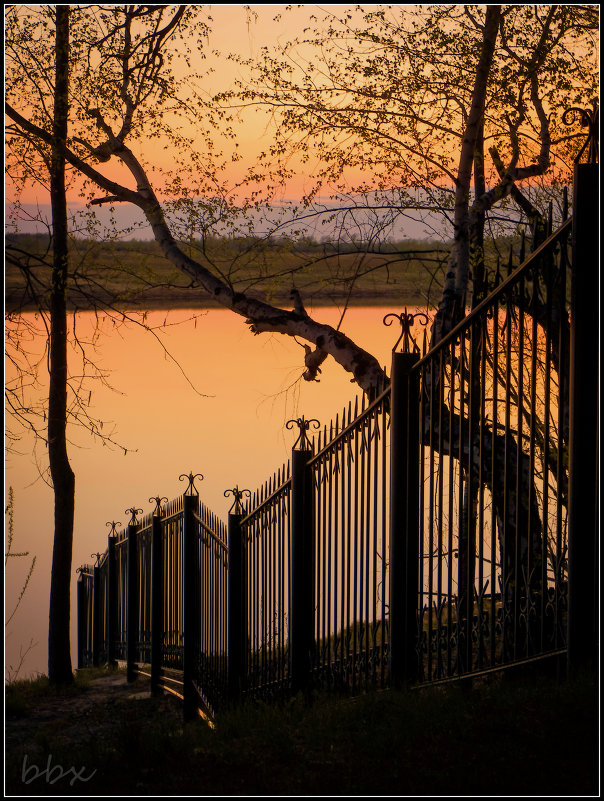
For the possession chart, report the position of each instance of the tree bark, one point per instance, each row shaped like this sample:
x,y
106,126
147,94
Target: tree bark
x,y
63,480
452,305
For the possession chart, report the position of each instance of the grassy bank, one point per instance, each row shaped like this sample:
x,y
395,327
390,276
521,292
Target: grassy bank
x,y
134,274
510,738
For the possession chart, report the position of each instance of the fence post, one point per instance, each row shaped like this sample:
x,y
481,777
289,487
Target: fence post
x,y
192,606
583,551
133,599
302,561
96,613
404,520
237,594
157,589
111,598
82,620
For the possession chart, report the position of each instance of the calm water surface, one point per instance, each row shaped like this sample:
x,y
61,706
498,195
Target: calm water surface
x,y
230,428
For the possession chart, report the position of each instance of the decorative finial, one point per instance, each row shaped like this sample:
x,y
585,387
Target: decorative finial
x,y
303,425
406,319
157,501
114,524
96,556
191,479
237,495
590,119
133,511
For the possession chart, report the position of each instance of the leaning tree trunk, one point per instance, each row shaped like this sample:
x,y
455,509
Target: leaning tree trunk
x,y
63,480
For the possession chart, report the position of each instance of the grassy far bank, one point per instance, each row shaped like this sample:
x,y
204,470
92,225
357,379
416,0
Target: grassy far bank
x,y
135,275
536,737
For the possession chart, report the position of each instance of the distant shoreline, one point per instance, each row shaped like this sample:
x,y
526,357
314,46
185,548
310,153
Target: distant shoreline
x,y
137,276
195,300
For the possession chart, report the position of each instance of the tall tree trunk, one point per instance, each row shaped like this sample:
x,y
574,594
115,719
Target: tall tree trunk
x,y
63,480
470,477
452,305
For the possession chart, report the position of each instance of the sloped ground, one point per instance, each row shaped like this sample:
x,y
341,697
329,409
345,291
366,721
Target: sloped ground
x,y
109,738
72,715
54,741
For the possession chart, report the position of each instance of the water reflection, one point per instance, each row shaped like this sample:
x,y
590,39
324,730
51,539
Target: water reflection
x,y
231,429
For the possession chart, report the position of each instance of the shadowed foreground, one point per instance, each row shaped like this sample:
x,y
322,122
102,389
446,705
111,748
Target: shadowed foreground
x,y
529,737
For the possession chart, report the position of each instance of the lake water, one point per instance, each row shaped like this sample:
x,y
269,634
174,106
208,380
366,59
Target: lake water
x,y
233,433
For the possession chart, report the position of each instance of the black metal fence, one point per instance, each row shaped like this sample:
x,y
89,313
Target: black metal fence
x,y
419,537
350,487
492,440
265,579
157,600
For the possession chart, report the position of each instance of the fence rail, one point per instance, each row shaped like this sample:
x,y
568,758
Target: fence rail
x,y
417,538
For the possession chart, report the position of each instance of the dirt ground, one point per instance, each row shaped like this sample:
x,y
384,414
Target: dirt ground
x,y
72,723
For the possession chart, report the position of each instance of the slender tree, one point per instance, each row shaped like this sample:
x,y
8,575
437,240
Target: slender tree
x,y
430,102
45,163
63,479
425,98
435,102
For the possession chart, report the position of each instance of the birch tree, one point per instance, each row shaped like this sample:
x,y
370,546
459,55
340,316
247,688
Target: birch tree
x,y
455,109
400,95
450,108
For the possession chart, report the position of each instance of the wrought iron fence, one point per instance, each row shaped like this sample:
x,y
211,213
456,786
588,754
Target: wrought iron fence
x,y
211,671
85,615
161,584
266,582
350,474
170,557
119,544
492,431
423,536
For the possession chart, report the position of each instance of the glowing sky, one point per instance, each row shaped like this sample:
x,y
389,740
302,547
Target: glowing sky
x,y
234,30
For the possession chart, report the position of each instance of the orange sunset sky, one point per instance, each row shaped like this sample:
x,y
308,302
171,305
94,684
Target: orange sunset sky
x,y
244,31
233,30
